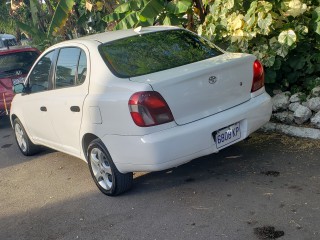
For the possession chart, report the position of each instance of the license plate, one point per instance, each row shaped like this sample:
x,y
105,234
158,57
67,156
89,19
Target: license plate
x,y
227,135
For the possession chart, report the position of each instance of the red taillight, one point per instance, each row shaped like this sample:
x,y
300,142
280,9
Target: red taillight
x,y
149,109
258,76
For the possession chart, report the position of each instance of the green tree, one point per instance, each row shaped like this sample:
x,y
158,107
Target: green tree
x,y
7,25
134,13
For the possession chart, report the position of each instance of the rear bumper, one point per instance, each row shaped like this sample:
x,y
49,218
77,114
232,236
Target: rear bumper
x,y
180,144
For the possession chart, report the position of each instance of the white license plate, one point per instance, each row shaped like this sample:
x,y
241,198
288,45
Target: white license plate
x,y
227,135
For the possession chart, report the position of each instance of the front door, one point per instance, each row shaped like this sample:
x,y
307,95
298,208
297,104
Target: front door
x,y
35,103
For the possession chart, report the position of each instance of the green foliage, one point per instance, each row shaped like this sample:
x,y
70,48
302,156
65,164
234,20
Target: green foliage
x,y
6,22
45,31
134,13
283,34
60,16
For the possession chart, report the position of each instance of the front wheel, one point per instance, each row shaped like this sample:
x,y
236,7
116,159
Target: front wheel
x,y
25,145
103,171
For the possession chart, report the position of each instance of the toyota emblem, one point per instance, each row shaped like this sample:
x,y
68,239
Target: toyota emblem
x,y
212,79
18,72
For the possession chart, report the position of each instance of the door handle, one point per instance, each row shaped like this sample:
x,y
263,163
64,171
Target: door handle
x,y
75,109
43,109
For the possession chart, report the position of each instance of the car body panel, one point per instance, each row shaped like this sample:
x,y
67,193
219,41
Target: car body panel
x,y
104,111
181,144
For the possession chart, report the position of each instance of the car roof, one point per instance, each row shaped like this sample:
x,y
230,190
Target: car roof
x,y
6,36
15,49
114,35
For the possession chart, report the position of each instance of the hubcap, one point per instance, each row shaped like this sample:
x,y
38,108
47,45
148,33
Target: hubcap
x,y
101,168
20,137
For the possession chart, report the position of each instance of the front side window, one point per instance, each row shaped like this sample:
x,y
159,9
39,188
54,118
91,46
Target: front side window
x,y
39,77
156,51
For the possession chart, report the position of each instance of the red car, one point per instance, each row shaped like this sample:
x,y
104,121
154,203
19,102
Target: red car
x,y
15,64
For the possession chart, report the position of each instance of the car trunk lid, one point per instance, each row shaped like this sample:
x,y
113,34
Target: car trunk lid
x,y
198,90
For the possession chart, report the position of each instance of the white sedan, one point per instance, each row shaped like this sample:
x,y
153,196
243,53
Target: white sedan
x,y
138,100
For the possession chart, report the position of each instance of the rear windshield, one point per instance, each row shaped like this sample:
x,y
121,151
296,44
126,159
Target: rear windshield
x,y
14,63
153,52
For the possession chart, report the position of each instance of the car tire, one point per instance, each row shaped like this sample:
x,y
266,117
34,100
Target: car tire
x,y
104,172
24,143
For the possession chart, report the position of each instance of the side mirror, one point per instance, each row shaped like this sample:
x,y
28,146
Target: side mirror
x,y
18,88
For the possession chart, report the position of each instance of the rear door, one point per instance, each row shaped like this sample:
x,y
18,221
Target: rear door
x,y
70,88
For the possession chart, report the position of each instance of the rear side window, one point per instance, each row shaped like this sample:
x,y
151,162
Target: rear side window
x,y
71,67
153,52
82,68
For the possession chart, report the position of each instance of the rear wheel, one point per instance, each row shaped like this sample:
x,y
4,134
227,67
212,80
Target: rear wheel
x,y
25,145
103,171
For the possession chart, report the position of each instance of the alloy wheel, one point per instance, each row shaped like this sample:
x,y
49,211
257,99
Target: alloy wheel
x,y
101,168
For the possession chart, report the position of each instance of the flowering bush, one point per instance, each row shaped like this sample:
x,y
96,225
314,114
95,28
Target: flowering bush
x,y
283,34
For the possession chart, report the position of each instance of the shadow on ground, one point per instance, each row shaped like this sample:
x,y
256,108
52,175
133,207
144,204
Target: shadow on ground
x,y
267,182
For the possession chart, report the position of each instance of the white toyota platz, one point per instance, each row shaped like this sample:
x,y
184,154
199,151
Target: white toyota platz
x,y
147,99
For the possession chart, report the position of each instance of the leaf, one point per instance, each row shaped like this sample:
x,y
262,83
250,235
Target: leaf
x,y
82,19
283,50
125,7
89,6
270,75
181,6
269,61
265,23
31,31
171,19
152,8
296,8
60,16
297,63
277,64
293,76
316,20
287,37
142,18
316,15
99,6
250,17
128,21
229,4
235,22
237,36
146,23
113,17
34,7
264,6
